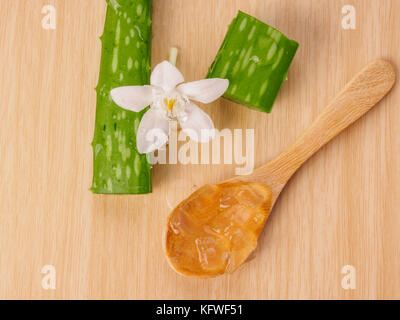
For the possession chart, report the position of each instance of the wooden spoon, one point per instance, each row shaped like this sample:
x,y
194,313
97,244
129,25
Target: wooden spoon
x,y
216,229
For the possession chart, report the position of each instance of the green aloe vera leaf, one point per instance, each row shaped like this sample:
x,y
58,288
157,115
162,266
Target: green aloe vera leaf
x,y
126,48
255,58
137,10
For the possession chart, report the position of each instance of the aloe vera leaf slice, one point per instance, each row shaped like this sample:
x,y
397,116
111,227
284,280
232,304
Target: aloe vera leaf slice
x,y
255,58
126,47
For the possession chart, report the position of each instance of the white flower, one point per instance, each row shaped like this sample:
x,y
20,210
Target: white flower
x,y
168,98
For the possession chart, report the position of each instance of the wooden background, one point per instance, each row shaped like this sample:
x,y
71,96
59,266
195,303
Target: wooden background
x,y
341,208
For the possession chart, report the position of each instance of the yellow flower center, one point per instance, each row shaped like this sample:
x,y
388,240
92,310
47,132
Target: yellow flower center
x,y
169,103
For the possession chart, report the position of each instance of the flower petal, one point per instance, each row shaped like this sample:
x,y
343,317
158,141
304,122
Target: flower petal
x,y
197,124
134,98
166,76
153,131
204,91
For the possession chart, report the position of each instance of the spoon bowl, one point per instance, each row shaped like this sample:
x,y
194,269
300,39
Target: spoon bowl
x,y
215,230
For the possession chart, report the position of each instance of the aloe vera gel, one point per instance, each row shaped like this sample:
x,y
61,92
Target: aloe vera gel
x,y
126,47
255,58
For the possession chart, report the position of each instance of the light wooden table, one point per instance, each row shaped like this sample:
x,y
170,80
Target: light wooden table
x,y
341,208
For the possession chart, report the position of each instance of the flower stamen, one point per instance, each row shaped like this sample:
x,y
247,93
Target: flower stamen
x,y
169,103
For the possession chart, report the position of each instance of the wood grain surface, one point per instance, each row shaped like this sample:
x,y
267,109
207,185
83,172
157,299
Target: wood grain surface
x,y
341,208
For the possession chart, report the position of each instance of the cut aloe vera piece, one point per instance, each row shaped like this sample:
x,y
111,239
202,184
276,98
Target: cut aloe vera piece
x,y
118,166
255,58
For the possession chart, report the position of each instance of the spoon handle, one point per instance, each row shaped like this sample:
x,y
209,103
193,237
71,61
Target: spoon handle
x,y
365,90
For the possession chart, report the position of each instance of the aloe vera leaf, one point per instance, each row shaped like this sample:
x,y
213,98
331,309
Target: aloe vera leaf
x,y
126,48
255,58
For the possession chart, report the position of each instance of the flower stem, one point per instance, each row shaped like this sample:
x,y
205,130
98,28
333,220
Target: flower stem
x,y
173,55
